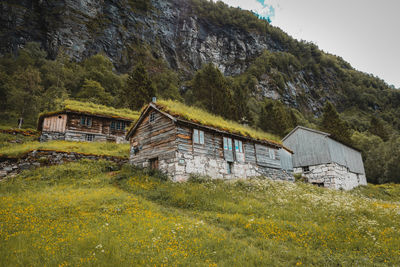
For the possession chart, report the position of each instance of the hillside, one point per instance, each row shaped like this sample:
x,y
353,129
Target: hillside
x,y
82,214
224,60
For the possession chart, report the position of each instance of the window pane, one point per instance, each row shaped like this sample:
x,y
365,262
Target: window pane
x,y
113,125
118,125
123,125
240,146
230,144
89,122
225,143
196,136
83,121
201,137
271,153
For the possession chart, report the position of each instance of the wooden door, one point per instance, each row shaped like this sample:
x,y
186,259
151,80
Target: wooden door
x,y
154,163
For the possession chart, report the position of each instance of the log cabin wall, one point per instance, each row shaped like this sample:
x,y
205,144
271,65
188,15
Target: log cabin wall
x,y
154,143
176,150
56,123
96,129
209,158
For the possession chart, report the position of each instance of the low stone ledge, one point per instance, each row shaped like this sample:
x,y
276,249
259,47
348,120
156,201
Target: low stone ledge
x,y
39,158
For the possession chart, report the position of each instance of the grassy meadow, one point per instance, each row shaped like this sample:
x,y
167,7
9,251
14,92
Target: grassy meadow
x,y
87,214
12,150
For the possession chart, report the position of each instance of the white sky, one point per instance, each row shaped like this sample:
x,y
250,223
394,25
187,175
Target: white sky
x,y
365,33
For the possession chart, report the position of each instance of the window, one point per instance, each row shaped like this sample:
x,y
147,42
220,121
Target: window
x,y
123,125
89,137
86,121
306,169
152,117
227,144
198,137
118,125
238,146
112,125
271,153
230,167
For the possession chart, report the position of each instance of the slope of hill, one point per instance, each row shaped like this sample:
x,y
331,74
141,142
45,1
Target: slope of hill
x,y
85,49
82,214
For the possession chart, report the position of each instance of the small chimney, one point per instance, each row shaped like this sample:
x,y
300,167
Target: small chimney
x,y
154,99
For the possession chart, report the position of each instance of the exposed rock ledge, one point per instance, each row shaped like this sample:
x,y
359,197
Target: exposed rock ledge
x,y
38,158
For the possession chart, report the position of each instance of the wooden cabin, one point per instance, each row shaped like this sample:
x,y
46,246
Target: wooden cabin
x,y
182,147
79,121
325,161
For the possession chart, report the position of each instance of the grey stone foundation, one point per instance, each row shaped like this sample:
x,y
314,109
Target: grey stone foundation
x,y
48,136
179,167
80,137
333,175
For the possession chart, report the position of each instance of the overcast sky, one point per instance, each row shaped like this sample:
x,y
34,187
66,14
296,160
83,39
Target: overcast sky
x,y
365,33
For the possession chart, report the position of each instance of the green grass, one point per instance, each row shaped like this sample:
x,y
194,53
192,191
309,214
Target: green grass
x,y
84,214
11,139
95,148
92,108
200,116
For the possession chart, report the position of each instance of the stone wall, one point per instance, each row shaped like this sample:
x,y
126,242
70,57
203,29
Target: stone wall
x,y
80,137
38,158
180,166
48,136
333,175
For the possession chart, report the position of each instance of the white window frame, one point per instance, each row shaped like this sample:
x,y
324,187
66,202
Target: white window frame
x,y
152,117
89,137
227,142
198,137
238,146
271,153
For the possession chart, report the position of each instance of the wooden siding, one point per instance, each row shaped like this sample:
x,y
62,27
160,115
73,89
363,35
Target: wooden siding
x,y
213,147
55,123
99,126
346,156
310,148
314,148
263,156
155,139
286,160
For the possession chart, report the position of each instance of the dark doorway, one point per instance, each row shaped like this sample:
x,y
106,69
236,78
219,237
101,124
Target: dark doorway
x,y
154,163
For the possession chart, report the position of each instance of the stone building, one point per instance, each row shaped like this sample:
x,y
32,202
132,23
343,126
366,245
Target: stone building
x,y
168,139
325,161
79,121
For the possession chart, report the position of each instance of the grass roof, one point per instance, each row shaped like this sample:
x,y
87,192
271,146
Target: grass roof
x,y
95,109
201,116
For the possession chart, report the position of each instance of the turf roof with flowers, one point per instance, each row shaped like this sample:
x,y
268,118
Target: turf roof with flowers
x,y
200,116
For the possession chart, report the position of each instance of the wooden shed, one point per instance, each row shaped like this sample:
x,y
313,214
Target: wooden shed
x,y
323,160
79,121
181,145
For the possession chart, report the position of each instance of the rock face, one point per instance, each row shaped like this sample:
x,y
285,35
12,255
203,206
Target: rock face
x,y
37,158
82,28
170,30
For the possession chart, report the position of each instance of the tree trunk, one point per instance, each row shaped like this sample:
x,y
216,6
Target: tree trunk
x,y
20,120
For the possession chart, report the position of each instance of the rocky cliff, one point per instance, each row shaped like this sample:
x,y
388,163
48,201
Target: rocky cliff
x,y
174,31
85,27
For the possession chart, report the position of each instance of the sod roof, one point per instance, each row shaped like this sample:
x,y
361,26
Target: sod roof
x,y
73,106
201,117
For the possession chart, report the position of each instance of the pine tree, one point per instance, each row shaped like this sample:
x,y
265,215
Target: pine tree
x,y
377,128
211,90
276,119
92,91
331,123
139,89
